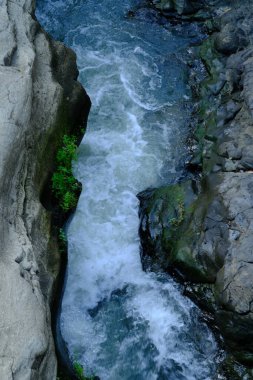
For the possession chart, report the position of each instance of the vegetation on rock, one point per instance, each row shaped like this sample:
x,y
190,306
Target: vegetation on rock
x,y
62,239
78,368
79,373
64,185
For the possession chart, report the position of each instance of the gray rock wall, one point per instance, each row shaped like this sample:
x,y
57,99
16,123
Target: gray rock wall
x,y
39,95
203,228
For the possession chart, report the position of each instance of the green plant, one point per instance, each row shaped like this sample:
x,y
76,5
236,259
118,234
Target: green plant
x,y
78,368
62,238
64,185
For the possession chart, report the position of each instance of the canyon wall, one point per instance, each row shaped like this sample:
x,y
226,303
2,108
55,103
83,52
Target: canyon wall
x,y
201,229
41,101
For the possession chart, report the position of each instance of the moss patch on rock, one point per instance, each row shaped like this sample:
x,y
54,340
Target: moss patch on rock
x,y
169,225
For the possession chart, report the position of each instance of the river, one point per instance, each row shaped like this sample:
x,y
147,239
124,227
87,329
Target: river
x,y
118,321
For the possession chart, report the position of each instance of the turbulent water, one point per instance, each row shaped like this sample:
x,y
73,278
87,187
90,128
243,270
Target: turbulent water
x,y
119,322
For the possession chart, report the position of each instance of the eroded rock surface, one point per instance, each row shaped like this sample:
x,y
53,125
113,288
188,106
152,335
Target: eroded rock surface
x,y
203,228
39,95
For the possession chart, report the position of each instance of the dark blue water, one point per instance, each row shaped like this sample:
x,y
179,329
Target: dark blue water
x,y
119,322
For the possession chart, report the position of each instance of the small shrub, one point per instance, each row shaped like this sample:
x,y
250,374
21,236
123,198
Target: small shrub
x,y
64,185
79,370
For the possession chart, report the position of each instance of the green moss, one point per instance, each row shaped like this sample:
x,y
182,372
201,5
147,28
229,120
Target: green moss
x,y
176,200
172,206
183,256
208,54
206,131
178,208
64,185
169,209
181,216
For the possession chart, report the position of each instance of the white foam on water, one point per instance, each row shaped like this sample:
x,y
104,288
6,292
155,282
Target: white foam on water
x,y
118,321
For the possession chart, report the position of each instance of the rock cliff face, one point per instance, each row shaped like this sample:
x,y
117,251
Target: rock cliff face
x,y
203,228
40,100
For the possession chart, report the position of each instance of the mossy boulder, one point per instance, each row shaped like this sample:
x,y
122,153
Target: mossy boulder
x,y
172,218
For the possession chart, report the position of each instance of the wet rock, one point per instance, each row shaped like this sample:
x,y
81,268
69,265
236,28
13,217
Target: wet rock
x,y
130,14
168,225
227,41
212,245
180,6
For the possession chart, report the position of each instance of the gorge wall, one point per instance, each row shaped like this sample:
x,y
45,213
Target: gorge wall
x,y
202,228
40,101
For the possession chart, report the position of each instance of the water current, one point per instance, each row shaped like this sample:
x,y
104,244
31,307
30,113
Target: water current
x,y
118,321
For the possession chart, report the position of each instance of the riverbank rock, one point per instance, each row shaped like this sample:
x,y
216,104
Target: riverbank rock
x,y
39,96
180,6
204,231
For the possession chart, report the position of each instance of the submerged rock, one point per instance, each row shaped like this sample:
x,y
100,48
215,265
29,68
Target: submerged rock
x,y
40,101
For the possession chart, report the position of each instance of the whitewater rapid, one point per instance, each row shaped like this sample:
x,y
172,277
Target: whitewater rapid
x,y
118,321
